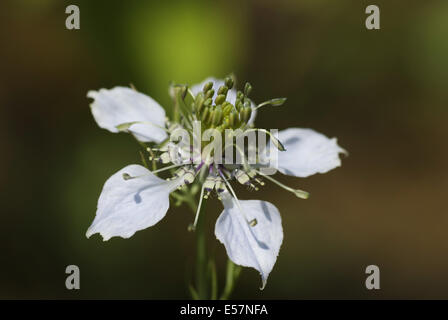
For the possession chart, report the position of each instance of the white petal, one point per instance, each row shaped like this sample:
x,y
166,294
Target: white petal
x,y
256,246
121,105
307,152
231,94
127,206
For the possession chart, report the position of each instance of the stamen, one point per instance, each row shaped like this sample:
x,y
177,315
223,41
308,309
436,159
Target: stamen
x,y
208,185
299,193
242,177
167,168
193,227
125,126
273,102
252,222
189,176
165,158
127,176
277,143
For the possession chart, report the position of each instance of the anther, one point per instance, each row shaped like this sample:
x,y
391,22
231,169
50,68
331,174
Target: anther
x,y
205,114
126,176
165,157
229,82
242,177
299,193
223,90
220,99
247,89
209,94
217,116
245,114
189,176
207,86
199,102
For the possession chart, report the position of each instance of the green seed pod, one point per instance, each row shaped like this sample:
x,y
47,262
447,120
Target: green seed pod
x,y
240,95
220,99
207,86
229,82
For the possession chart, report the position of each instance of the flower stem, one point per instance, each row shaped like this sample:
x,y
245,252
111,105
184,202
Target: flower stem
x,y
232,275
201,256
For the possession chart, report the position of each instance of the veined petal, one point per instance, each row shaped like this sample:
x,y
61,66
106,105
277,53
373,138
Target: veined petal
x,y
121,105
231,94
307,152
250,246
132,199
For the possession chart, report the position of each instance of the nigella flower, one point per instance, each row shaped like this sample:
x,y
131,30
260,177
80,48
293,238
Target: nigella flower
x,y
136,198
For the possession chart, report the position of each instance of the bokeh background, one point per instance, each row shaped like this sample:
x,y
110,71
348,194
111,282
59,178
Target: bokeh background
x,y
382,93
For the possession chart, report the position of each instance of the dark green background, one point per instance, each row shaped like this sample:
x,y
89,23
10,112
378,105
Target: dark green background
x,y
382,93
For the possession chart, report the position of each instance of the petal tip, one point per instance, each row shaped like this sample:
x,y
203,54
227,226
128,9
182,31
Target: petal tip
x,y
263,284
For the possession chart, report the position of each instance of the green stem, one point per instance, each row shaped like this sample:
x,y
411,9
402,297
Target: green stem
x,y
232,274
201,256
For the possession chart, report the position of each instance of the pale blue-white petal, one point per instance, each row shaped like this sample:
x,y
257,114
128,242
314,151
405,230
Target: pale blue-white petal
x,y
231,94
122,105
307,152
250,246
132,204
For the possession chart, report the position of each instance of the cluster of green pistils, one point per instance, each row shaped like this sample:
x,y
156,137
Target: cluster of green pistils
x,y
214,111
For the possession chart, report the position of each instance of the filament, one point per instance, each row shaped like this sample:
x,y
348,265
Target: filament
x,y
299,193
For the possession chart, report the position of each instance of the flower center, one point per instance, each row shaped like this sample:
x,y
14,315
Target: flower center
x,y
212,108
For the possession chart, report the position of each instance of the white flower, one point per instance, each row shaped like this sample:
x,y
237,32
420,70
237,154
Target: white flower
x,y
135,198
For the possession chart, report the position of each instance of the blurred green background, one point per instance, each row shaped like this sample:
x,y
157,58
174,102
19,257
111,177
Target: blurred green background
x,y
382,93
